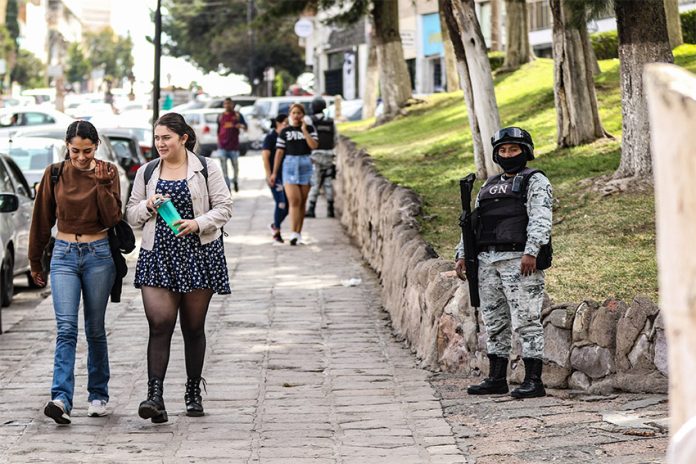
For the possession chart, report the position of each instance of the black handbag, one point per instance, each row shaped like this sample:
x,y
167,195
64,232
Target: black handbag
x,y
47,255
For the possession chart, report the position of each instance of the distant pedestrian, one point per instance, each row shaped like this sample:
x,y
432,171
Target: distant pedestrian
x,y
84,199
230,122
514,211
323,158
277,190
295,144
178,273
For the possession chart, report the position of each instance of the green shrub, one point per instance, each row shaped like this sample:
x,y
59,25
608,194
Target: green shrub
x,y
688,24
496,59
605,44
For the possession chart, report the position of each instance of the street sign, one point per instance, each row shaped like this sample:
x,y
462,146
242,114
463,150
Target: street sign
x,y
304,27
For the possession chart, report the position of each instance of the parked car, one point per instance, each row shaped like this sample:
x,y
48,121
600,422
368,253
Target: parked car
x,y
127,149
16,208
270,107
254,133
239,100
13,119
204,123
33,154
351,110
137,122
56,135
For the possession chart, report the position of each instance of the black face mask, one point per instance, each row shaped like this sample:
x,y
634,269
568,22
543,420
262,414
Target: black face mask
x,y
514,164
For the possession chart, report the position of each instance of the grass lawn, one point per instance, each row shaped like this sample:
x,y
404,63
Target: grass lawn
x,y
603,246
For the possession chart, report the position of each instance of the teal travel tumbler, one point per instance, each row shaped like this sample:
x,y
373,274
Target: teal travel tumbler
x,y
166,209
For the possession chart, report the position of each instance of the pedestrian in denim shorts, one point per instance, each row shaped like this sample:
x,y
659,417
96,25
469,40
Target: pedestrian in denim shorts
x,y
295,144
85,201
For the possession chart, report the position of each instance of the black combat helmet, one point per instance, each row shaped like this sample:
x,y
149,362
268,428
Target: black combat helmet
x,y
513,135
318,105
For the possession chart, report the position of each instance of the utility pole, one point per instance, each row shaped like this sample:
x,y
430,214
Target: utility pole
x,y
158,58
250,37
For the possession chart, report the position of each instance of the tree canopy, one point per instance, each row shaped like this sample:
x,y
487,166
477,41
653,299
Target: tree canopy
x,y
216,36
110,51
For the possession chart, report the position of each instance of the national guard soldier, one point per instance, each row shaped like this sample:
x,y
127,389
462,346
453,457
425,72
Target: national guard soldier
x,y
323,159
512,225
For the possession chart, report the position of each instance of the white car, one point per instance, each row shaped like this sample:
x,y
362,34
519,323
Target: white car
x,y
13,119
16,208
204,123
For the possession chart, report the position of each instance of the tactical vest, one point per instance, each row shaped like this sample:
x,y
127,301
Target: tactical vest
x,y
326,131
502,212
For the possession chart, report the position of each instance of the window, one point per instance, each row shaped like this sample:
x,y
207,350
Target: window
x,y
539,15
192,119
261,108
211,118
33,119
22,188
32,159
5,183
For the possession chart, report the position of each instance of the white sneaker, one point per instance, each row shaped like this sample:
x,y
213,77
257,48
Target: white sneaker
x,y
295,238
97,408
55,409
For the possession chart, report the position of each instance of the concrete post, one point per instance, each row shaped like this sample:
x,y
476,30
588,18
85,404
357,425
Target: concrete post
x,y
671,95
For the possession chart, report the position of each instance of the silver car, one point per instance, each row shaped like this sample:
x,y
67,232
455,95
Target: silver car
x,y
16,208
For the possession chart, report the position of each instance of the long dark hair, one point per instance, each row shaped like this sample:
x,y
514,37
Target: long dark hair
x,y
176,123
82,129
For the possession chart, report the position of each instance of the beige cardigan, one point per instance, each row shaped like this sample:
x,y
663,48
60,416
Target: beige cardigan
x,y
210,221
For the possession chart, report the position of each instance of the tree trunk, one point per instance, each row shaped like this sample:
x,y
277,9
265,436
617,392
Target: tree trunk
x,y
674,29
672,111
371,80
495,26
479,71
394,80
591,54
465,83
642,39
518,51
577,117
450,60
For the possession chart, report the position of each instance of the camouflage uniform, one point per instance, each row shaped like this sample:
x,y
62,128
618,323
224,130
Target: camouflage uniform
x,y
510,300
324,172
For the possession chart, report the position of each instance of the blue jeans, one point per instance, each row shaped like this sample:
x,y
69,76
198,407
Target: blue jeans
x,y
281,204
77,269
232,155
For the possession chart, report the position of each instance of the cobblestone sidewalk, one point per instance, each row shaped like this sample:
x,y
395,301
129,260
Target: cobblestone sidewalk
x,y
300,368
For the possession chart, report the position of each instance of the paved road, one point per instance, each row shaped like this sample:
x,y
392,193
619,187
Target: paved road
x,y
300,369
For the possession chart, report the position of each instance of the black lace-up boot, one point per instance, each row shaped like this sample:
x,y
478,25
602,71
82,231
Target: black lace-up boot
x,y
330,210
496,382
192,397
532,387
310,213
153,407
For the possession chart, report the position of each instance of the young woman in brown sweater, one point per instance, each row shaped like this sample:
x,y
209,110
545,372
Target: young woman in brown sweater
x,y
85,202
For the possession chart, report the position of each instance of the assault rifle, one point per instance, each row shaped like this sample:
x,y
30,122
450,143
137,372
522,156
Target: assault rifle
x,y
466,185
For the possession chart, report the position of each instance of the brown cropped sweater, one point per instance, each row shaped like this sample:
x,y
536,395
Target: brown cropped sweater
x,y
81,206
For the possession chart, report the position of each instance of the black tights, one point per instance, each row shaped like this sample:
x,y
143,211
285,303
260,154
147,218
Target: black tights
x,y
161,309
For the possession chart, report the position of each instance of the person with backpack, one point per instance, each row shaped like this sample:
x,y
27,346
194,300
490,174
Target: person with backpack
x,y
323,158
513,220
177,273
293,147
82,195
229,123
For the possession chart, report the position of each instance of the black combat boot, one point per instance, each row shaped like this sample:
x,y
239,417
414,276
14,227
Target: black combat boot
x,y
532,387
496,382
192,397
310,210
153,407
330,210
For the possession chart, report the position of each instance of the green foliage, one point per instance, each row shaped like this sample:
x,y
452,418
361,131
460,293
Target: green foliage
x,y
29,71
605,45
111,52
688,24
215,36
78,65
496,59
605,246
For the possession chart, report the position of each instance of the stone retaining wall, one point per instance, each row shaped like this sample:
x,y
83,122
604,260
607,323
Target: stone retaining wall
x,y
589,346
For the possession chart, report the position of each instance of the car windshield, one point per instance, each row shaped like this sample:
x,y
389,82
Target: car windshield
x,y
32,159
